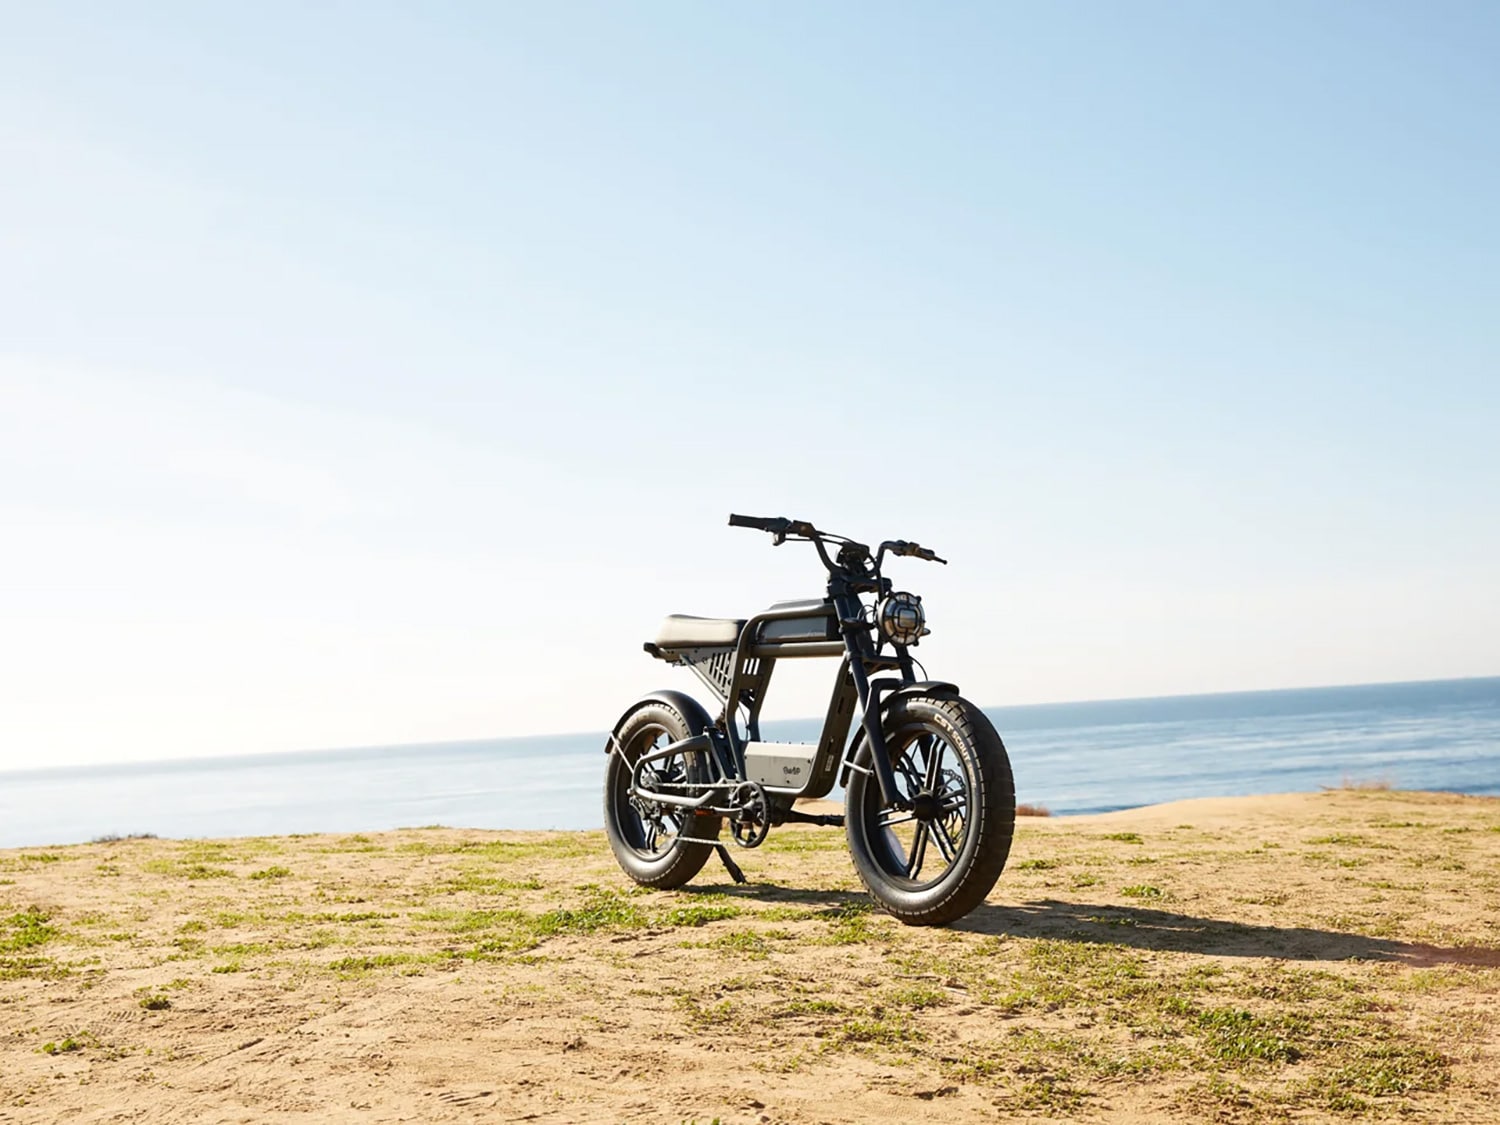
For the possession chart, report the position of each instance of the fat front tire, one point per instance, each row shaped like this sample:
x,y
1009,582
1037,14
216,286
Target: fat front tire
x,y
651,841
932,863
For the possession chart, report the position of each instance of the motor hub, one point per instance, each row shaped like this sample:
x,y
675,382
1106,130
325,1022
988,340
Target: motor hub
x,y
927,805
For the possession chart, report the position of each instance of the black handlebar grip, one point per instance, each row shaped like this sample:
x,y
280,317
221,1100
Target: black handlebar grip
x,y
748,521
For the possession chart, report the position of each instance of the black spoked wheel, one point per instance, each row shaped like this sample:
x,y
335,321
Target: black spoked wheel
x,y
935,860
651,841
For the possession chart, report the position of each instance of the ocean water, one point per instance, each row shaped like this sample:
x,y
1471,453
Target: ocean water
x,y
1072,758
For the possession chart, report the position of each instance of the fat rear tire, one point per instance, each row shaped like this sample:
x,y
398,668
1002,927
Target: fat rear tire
x,y
971,764
654,850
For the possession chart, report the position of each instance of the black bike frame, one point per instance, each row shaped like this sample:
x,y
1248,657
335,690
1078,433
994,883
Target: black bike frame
x,y
744,682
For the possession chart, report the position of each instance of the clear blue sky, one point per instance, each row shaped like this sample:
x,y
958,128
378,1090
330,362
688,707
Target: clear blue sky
x,y
377,373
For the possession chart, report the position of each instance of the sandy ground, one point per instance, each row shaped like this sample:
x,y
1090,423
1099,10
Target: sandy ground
x,y
1328,956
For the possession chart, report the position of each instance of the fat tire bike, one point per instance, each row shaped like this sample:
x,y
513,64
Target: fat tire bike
x,y
929,800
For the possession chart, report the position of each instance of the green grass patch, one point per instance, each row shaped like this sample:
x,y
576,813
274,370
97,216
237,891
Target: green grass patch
x,y
32,968
813,1007
21,934
353,967
514,930
1141,890
802,841
743,943
849,927
1235,1036
1124,837
27,929
274,872
469,921
232,919
784,912
717,1014
346,917
881,1030
76,1042
181,869
1057,973
1385,1068
701,913
243,949
485,882
357,843
917,997
570,845
601,910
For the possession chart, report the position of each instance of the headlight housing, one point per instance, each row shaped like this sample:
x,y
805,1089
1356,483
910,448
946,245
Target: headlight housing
x,y
902,618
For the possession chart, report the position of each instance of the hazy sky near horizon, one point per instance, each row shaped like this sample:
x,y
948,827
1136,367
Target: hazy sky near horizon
x,y
378,373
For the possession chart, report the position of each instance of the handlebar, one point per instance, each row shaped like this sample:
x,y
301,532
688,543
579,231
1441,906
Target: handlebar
x,y
913,550
776,525
759,523
780,527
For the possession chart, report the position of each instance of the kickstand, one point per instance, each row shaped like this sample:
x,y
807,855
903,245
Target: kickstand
x,y
729,865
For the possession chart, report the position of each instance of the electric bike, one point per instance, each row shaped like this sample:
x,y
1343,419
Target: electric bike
x,y
929,801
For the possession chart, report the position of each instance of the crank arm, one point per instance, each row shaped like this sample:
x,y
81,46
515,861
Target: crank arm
x,y
831,820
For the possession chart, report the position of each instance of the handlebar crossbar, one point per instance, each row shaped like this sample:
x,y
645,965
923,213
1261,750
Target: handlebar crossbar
x,y
780,527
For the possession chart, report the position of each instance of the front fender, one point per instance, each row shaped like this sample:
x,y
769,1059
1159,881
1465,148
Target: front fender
x,y
693,711
922,687
861,755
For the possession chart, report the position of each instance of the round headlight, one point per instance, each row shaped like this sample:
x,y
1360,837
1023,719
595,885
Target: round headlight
x,y
902,619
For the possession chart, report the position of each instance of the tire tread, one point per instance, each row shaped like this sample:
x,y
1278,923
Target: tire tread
x,y
994,803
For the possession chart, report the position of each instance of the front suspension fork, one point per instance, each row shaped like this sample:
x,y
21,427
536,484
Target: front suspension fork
x,y
880,756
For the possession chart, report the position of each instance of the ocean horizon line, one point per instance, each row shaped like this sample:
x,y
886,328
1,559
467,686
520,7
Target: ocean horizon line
x,y
1131,703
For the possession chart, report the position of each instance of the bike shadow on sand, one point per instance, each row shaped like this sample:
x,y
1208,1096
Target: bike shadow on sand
x,y
1146,928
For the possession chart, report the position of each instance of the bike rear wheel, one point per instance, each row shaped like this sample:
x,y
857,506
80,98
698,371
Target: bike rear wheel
x,y
652,842
935,861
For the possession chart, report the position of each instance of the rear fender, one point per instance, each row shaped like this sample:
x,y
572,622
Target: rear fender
x,y
693,711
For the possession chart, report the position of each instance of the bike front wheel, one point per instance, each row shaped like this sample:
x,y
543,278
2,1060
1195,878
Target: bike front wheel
x,y
933,861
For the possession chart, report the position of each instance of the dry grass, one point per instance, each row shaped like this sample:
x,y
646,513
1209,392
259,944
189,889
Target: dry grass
x,y
1033,810
1328,957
